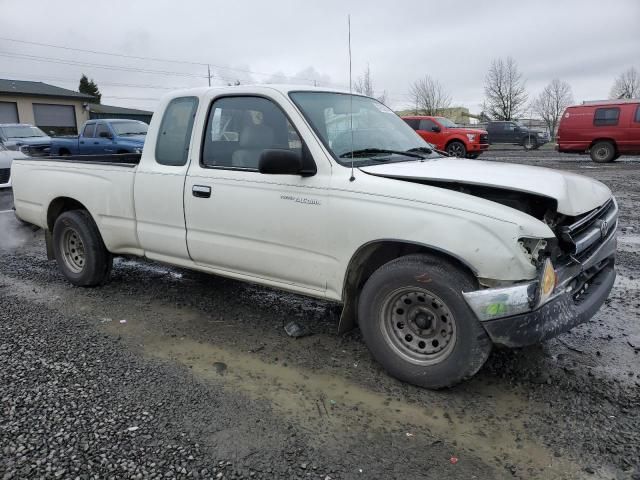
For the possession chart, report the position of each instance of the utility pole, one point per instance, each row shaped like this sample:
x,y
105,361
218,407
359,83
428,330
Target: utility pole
x,y
209,74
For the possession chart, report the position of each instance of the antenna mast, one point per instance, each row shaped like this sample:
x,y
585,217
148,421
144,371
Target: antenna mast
x,y
352,178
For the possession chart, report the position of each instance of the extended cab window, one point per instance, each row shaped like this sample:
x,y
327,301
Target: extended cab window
x,y
427,125
637,119
89,130
172,147
413,123
239,129
606,116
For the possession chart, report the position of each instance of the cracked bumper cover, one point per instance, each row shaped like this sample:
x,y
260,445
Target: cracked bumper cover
x,y
518,325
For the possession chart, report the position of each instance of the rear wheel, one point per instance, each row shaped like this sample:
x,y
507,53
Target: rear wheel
x,y
456,149
417,324
79,250
603,152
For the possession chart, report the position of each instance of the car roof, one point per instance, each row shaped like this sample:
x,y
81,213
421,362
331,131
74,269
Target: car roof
x,y
15,125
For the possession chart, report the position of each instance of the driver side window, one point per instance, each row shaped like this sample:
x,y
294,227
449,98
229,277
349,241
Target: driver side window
x,y
239,129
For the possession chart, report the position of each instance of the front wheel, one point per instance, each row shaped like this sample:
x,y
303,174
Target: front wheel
x,y
456,149
417,324
79,250
530,143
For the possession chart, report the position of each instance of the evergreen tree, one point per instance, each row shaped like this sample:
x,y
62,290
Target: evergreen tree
x,y
89,87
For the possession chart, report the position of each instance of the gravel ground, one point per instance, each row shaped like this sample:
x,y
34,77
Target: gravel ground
x,y
166,373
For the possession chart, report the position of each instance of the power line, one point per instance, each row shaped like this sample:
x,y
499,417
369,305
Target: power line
x,y
108,84
99,65
154,59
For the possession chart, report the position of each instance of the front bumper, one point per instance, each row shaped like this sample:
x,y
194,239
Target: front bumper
x,y
555,317
478,147
509,320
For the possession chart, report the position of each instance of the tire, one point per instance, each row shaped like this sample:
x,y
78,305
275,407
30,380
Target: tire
x,y
79,250
456,149
421,295
473,156
530,143
603,152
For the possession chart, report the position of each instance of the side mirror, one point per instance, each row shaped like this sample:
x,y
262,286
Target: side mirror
x,y
436,129
277,161
105,135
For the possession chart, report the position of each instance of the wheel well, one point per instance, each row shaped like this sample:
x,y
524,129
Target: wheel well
x,y
60,205
372,256
459,140
63,151
610,140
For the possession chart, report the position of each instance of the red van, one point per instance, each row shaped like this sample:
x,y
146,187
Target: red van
x,y
449,137
606,129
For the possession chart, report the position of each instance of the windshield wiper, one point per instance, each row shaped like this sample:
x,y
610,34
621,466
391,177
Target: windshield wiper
x,y
365,152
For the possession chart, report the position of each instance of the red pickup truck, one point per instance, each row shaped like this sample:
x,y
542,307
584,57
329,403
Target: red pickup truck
x,y
449,137
605,129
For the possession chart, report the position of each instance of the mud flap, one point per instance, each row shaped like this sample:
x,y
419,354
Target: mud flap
x,y
348,317
49,241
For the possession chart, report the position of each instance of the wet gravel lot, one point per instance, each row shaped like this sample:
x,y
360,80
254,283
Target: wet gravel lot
x,y
167,373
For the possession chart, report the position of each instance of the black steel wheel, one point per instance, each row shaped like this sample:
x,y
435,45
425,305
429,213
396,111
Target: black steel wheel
x,y
603,152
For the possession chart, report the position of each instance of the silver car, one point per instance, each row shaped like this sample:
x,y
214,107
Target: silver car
x,y
6,157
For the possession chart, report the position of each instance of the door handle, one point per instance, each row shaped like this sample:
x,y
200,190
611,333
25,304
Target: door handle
x,y
82,142
201,191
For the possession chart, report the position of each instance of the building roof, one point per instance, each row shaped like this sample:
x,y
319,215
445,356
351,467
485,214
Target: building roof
x,y
38,89
112,110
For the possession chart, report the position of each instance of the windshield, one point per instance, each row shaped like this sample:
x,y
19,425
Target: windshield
x,y
378,133
130,128
445,122
22,131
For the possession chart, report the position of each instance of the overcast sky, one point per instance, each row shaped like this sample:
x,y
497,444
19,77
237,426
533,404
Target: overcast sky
x,y
585,42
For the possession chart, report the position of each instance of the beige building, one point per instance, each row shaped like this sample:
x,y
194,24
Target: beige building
x,y
53,109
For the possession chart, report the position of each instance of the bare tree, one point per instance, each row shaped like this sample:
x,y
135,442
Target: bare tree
x,y
429,96
627,85
364,86
505,90
551,102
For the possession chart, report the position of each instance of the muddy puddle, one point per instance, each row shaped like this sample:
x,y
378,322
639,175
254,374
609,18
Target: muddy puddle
x,y
330,405
489,424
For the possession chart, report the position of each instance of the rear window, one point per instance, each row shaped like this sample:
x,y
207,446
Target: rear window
x,y
606,116
172,146
637,119
412,122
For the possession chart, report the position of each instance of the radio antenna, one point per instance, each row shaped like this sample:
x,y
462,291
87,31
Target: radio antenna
x,y
352,178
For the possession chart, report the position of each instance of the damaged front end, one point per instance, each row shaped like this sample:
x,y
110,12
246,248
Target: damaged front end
x,y
575,275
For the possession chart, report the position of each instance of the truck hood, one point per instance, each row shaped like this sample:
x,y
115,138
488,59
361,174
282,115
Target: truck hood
x,y
573,193
30,141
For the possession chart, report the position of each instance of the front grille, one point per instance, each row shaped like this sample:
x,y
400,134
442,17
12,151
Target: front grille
x,y
590,230
5,174
484,138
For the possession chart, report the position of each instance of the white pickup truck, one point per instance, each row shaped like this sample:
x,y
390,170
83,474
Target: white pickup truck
x,y
332,195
